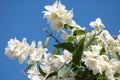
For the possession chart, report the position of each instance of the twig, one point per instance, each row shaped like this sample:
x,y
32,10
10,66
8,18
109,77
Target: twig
x,y
50,34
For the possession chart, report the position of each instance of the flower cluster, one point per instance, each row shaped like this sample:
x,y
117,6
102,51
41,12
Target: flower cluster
x,y
57,16
82,55
37,57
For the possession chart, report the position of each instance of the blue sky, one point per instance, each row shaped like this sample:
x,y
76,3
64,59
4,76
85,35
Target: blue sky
x,y
24,18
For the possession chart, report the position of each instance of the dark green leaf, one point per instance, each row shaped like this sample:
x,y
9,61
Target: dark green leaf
x,y
70,38
78,51
102,51
29,67
51,74
117,75
63,71
56,51
67,26
41,71
68,46
79,32
101,77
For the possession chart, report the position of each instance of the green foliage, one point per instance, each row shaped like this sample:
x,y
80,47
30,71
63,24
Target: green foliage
x,y
117,75
78,52
51,75
41,71
79,32
29,67
56,51
70,38
69,46
69,27
102,51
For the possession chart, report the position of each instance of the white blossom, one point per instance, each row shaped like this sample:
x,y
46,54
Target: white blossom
x,y
57,15
97,24
17,49
67,56
33,74
38,52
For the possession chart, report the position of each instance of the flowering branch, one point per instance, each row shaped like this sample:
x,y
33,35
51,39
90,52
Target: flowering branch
x,y
85,55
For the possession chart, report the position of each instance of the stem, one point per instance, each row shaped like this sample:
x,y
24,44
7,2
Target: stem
x,y
50,34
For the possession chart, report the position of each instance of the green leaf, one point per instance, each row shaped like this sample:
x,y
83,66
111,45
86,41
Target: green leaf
x,y
56,51
68,46
70,38
41,71
117,75
67,26
101,77
52,74
102,51
79,32
63,71
46,42
78,52
29,67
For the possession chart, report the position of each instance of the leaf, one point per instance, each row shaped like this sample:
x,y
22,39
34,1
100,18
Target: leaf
x,y
79,32
52,74
102,51
78,51
29,67
63,71
70,38
117,75
68,46
67,26
101,77
56,51
46,42
41,71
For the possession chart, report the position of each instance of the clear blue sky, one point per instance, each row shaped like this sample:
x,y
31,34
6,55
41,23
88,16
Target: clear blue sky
x,y
24,18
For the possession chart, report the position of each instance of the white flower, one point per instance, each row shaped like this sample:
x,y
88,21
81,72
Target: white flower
x,y
47,59
117,49
67,56
97,24
108,37
33,74
57,15
10,50
115,65
93,64
38,52
109,73
94,53
96,49
89,54
57,63
57,25
17,49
